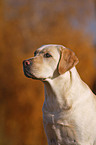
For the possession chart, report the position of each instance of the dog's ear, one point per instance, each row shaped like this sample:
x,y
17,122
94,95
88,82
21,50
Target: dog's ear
x,y
67,61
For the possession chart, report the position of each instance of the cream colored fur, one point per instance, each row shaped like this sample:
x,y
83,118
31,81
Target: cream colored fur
x,y
69,110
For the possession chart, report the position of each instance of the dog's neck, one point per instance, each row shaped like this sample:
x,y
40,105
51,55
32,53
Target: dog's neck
x,y
57,91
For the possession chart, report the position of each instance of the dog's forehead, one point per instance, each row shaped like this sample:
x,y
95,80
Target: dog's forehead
x,y
50,47
47,47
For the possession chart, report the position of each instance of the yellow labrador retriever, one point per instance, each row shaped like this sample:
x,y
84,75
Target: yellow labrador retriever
x,y
69,110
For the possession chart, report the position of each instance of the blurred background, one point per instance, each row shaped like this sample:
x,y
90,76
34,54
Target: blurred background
x,y
25,25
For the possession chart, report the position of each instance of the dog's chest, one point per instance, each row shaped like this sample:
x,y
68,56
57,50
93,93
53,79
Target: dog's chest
x,y
58,131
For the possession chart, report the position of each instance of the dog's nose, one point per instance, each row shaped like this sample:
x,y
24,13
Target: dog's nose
x,y
26,62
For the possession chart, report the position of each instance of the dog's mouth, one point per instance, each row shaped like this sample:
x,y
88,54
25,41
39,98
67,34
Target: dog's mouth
x,y
28,74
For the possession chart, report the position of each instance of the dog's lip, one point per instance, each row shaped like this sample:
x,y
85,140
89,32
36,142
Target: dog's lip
x,y
28,74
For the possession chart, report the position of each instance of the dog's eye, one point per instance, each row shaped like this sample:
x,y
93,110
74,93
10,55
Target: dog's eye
x,y
47,55
35,53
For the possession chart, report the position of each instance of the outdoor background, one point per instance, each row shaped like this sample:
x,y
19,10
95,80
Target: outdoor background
x,y
25,25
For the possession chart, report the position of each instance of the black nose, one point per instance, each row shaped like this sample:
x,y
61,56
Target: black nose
x,y
26,62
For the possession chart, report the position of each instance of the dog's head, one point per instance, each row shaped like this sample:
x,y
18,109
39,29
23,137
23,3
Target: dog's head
x,y
48,61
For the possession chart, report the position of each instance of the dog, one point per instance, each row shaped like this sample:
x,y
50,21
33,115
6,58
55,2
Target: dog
x,y
69,109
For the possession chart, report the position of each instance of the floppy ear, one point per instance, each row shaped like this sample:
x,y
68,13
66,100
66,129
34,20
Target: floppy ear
x,y
67,61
